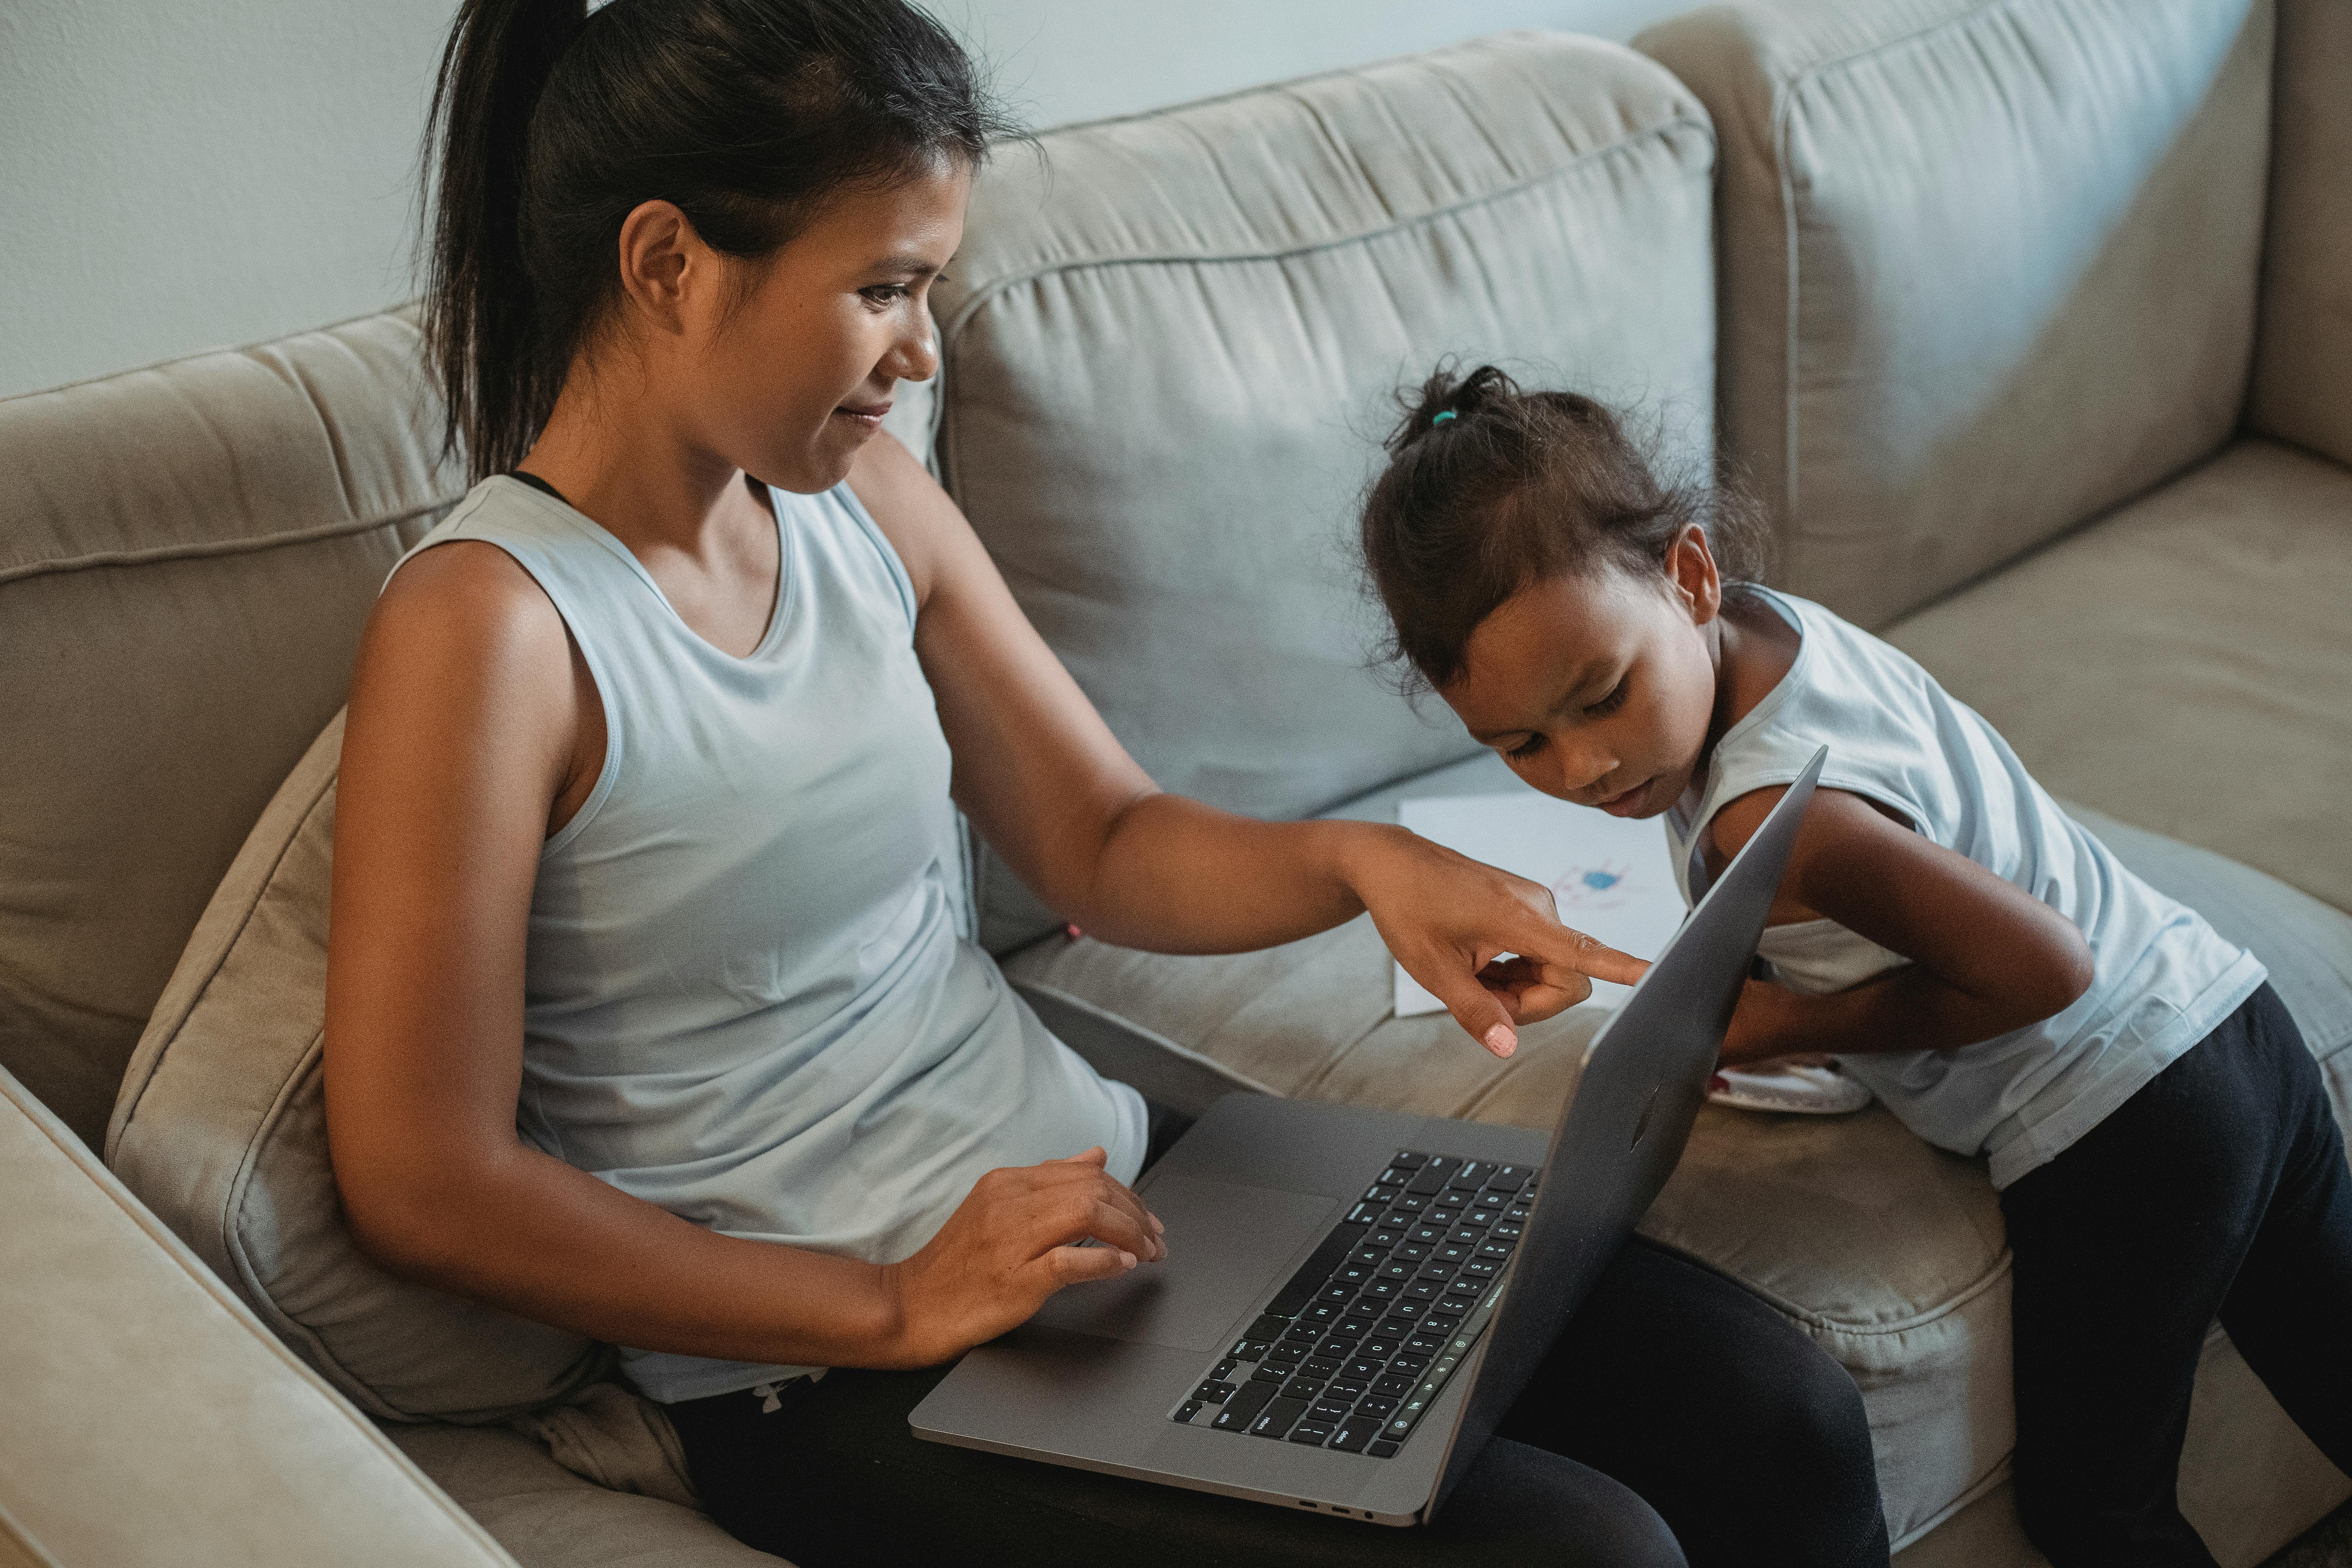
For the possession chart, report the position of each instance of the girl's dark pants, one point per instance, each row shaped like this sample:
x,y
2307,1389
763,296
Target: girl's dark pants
x,y
2217,1191
1675,1408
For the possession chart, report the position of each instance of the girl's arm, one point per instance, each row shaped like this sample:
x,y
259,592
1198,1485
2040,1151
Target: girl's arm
x,y
473,728
1987,957
1047,784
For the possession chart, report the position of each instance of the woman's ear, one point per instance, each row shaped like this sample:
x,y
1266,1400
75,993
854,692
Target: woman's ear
x,y
663,263
1690,568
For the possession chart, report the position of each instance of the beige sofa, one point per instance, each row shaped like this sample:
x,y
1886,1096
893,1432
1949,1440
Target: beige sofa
x,y
2032,321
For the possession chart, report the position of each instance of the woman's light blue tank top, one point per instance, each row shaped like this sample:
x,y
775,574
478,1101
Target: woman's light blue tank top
x,y
2162,977
746,999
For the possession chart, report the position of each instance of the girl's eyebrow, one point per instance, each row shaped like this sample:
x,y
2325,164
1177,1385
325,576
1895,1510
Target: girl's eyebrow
x,y
1568,695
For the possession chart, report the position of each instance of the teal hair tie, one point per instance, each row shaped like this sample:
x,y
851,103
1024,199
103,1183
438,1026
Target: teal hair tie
x,y
1441,419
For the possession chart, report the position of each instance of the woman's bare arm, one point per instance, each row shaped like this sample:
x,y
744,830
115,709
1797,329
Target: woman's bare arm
x,y
462,744
1987,957
1045,781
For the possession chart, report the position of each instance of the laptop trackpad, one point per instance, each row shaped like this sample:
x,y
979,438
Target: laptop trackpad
x,y
1226,1245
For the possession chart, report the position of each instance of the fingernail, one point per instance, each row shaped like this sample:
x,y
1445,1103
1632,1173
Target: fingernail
x,y
1127,1260
1502,1040
1158,1228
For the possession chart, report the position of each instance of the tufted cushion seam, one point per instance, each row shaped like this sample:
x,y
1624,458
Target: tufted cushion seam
x,y
221,547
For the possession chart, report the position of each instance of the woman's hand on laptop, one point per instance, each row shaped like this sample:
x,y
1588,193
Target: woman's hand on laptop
x,y
1013,1242
1488,944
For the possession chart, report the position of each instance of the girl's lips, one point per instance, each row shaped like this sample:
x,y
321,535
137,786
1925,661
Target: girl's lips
x,y
1627,803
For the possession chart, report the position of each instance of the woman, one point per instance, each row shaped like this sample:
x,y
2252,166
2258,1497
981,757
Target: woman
x,y
647,1016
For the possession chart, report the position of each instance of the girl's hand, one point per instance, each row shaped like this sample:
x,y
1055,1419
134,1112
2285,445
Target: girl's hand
x,y
1449,919
1011,1243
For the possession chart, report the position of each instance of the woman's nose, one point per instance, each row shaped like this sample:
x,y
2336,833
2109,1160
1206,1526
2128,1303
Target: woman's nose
x,y
916,355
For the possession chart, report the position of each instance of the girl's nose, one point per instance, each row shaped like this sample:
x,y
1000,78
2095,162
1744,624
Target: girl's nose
x,y
1580,771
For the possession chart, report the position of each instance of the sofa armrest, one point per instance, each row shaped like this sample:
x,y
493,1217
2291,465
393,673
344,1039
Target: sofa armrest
x,y
2307,338
152,1419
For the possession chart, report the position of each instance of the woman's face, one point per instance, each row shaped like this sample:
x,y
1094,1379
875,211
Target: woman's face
x,y
793,372
1599,688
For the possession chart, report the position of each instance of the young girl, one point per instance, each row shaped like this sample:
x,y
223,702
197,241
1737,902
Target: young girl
x,y
647,1014
2162,1143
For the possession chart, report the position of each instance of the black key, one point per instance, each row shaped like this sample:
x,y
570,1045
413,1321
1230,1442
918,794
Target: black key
x,y
1518,1212
1367,1370
1430,1234
1407,1206
1470,1176
1329,1410
1224,1369
1274,1420
1270,1375
1353,1273
1285,1352
1404,1308
1270,1322
1344,1391
1379,1348
1400,1270
1482,1218
1186,1411
1480,1268
1319,1368
1343,1240
1377,1407
1497,1250
1433,1173
1443,1322
1355,1327
1386,1235
1399,1329
1301,1334
1213,1392
1338,1347
1310,1432
1381,1191
1378,1290
1342,1293
1425,1345
1412,1252
1454,1252
1409,1362
1243,1408
1380,1448
1371,1255
1395,1387
1353,1435
1425,1289
1440,1269
1396,1176
1508,1179
1466,1237
1247,1350
1406,1159
1322,1315
1364,1213
1309,1389
1508,1230
1450,1199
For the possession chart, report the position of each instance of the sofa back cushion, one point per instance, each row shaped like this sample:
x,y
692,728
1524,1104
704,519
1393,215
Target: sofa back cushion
x,y
1989,266
186,555
1170,345
222,1129
2304,363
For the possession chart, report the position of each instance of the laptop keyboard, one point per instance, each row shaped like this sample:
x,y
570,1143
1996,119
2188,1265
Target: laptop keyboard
x,y
1358,1346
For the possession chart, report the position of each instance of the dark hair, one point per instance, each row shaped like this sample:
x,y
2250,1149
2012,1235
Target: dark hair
x,y
551,125
1489,488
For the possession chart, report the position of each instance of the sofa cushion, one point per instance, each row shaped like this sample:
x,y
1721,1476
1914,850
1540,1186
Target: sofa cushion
x,y
1172,339
151,1422
2208,659
2300,369
186,555
1989,266
1890,1253
222,1129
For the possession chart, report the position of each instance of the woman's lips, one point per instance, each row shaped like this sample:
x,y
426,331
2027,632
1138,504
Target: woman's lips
x,y
869,417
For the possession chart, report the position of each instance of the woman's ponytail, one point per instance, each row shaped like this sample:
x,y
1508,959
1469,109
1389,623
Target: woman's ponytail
x,y
549,129
479,311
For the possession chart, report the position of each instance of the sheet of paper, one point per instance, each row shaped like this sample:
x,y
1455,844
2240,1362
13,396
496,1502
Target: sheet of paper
x,y
1613,878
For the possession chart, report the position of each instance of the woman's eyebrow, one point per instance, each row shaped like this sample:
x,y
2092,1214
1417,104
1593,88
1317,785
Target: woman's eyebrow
x,y
906,262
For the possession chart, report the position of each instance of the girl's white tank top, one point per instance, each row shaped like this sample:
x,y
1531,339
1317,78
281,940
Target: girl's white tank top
x,y
746,997
2163,978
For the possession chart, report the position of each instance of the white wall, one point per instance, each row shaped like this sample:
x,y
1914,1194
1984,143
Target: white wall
x,y
174,177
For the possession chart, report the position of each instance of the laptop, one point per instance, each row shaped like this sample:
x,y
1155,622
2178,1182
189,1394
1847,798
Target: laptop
x,y
1352,1298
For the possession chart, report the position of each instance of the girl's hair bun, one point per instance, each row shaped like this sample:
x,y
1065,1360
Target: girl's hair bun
x,y
1449,399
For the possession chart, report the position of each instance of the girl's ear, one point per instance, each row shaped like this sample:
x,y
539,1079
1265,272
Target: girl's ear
x,y
1690,569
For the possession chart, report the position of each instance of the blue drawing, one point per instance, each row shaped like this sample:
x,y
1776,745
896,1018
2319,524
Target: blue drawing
x,y
1607,886
1601,881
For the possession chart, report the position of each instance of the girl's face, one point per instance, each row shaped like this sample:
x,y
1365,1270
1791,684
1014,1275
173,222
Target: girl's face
x,y
1601,688
795,363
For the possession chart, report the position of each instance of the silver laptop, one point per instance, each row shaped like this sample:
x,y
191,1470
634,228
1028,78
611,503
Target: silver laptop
x,y
1352,1298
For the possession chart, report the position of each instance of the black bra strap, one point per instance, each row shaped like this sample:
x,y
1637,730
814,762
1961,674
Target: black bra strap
x,y
535,482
